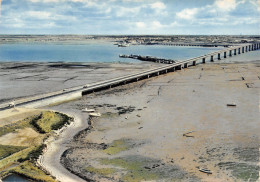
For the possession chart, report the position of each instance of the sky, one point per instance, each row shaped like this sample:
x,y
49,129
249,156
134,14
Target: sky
x,y
124,17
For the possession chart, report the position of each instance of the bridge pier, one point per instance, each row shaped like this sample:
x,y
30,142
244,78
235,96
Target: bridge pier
x,y
203,60
185,65
194,63
178,67
239,50
243,49
158,73
212,58
246,49
225,54
218,56
230,53
235,51
249,48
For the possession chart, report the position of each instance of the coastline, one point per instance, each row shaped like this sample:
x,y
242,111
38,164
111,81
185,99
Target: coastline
x,y
56,145
107,128
158,85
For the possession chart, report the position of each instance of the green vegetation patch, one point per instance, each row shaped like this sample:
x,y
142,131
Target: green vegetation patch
x,y
135,170
29,170
139,168
48,121
101,171
7,150
15,157
242,171
14,126
34,153
116,147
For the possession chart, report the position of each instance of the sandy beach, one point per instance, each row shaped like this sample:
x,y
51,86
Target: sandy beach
x,y
171,127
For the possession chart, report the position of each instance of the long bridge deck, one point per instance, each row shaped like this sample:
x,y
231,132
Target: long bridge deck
x,y
76,92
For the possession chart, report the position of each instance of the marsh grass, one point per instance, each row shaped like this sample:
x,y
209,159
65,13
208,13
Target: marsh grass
x,y
20,160
14,126
7,150
15,157
101,171
116,147
29,170
48,121
135,170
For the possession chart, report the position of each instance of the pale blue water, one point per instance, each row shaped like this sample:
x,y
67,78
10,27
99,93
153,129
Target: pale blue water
x,y
95,52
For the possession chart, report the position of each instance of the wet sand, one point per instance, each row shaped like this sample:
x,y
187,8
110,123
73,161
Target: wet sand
x,y
22,79
141,133
143,123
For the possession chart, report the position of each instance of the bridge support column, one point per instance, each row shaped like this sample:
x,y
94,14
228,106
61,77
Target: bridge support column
x,y
194,63
230,53
254,46
212,58
235,51
148,76
239,50
166,71
203,60
178,67
249,48
243,49
246,48
218,56
158,73
185,65
225,54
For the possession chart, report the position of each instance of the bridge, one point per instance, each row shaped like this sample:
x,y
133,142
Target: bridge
x,y
77,92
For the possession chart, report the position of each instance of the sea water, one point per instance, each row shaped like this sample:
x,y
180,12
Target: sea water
x,y
93,52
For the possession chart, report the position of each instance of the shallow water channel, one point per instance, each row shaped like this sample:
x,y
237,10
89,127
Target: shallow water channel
x,y
15,178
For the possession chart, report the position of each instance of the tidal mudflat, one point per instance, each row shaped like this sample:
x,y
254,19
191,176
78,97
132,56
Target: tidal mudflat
x,y
22,79
175,127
